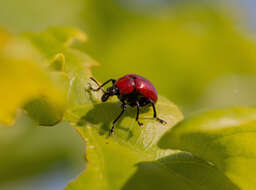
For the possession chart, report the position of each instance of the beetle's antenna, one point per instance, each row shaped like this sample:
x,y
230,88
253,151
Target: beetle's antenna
x,y
94,80
99,86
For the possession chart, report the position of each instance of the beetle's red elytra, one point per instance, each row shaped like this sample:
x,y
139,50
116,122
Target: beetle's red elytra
x,y
129,83
132,90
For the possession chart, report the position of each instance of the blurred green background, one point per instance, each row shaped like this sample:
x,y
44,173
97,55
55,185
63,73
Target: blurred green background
x,y
199,54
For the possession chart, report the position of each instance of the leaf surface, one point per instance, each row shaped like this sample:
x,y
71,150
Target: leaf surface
x,y
70,65
130,159
224,137
22,77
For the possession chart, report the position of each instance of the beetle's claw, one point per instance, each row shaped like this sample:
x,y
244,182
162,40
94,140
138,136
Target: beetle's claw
x,y
161,121
140,124
111,131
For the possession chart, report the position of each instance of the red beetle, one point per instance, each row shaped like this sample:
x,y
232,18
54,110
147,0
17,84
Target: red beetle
x,y
132,90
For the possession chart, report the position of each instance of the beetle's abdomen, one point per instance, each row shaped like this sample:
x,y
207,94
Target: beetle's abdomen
x,y
144,87
125,85
129,84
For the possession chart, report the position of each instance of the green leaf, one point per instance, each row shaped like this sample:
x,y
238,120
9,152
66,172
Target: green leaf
x,y
178,171
130,159
44,112
55,40
225,137
56,45
132,147
22,77
112,161
39,80
67,64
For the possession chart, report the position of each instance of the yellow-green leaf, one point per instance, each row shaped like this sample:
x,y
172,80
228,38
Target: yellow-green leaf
x,y
55,39
22,77
225,137
66,63
130,159
56,45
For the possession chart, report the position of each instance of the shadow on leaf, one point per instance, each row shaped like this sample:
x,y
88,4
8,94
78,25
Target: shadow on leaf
x,y
104,114
180,171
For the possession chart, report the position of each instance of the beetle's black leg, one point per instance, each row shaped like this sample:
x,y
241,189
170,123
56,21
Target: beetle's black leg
x,y
118,117
138,113
155,115
100,86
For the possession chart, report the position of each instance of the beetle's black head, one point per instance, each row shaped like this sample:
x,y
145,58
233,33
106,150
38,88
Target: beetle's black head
x,y
111,91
